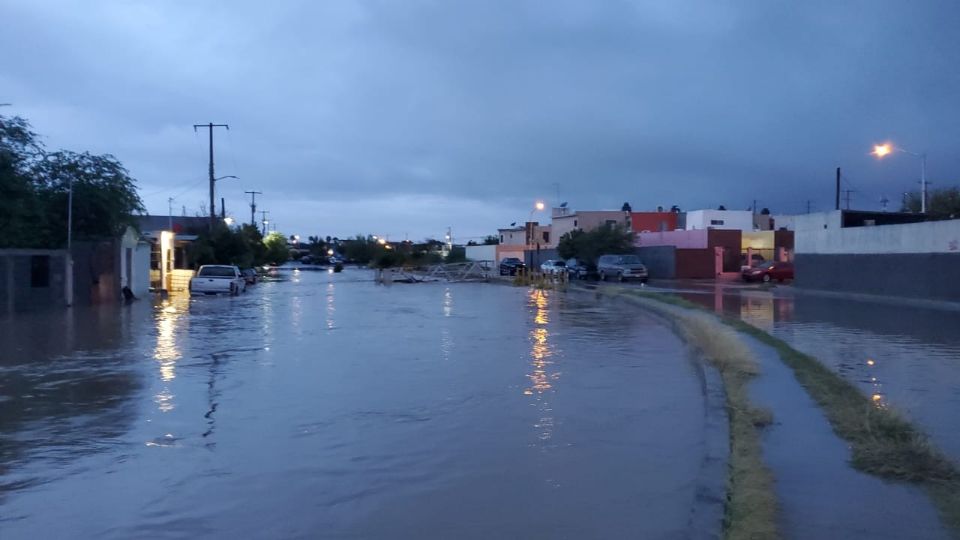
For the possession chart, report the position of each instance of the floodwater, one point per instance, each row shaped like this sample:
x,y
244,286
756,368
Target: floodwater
x,y
903,356
325,406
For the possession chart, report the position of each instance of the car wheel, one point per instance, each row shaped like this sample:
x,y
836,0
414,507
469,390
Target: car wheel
x,y
620,277
603,277
766,278
643,280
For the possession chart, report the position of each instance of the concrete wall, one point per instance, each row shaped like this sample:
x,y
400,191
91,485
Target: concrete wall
x,y
695,264
533,259
512,237
741,220
481,253
141,278
17,293
816,221
661,261
680,239
928,237
925,276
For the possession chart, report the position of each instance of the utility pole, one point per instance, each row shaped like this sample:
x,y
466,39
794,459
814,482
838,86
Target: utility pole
x,y
808,205
223,208
837,203
170,213
263,221
253,206
210,126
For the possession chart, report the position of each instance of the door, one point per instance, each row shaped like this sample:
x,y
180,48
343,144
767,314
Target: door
x,y
128,267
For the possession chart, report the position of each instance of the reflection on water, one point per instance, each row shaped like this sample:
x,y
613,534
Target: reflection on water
x,y
413,422
540,360
903,356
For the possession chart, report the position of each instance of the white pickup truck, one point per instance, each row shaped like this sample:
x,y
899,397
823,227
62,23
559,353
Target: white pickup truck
x,y
218,279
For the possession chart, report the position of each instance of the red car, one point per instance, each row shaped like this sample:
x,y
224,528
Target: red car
x,y
768,271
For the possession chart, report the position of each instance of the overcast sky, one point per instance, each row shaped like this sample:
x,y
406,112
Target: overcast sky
x,y
406,117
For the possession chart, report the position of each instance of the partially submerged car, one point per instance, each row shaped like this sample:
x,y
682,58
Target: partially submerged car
x,y
217,279
577,269
621,268
768,271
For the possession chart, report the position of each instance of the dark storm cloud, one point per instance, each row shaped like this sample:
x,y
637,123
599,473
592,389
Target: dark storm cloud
x,y
410,116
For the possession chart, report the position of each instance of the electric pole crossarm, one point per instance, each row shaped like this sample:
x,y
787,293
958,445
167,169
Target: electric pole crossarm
x,y
253,206
210,126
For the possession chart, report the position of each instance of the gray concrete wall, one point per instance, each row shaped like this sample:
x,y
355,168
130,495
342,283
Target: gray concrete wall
x,y
923,276
16,290
661,261
928,237
533,259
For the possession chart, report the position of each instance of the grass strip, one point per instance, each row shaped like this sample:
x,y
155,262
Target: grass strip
x,y
882,441
750,511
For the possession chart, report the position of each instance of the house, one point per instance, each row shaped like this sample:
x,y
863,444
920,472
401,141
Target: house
x,y
33,279
565,221
134,262
658,221
519,241
738,220
169,238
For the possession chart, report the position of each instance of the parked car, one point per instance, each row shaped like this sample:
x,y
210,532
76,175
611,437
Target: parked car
x,y
621,267
553,267
218,279
768,271
510,265
250,276
579,270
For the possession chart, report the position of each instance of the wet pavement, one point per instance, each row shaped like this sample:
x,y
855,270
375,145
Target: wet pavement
x,y
326,406
903,356
820,495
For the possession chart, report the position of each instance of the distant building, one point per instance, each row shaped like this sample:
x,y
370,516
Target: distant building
x,y
738,220
169,238
654,221
587,220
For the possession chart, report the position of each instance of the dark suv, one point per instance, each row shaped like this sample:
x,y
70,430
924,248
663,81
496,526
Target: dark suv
x,y
510,265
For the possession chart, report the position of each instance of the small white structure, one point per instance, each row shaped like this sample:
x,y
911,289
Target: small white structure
x,y
481,253
134,262
738,220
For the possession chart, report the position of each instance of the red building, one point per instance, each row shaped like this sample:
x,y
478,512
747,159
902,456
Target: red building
x,y
653,221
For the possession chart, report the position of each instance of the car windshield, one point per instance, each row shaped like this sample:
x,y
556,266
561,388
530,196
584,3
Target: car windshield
x,y
629,259
559,263
759,264
216,271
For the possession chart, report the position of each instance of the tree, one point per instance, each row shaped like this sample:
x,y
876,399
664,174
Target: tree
x,y
491,240
277,251
589,246
942,203
35,184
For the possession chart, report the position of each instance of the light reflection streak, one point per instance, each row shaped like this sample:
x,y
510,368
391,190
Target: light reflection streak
x,y
169,320
541,380
331,305
447,302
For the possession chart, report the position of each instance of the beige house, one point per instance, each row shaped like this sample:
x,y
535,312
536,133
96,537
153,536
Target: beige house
x,y
515,240
587,220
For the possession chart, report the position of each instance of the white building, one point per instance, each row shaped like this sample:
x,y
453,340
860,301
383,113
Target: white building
x,y
739,220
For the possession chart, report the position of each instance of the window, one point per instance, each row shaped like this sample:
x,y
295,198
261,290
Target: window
x,y
611,222
574,223
501,238
546,236
716,222
40,271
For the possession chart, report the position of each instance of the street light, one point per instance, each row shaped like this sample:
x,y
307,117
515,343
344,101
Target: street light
x,y
885,149
228,221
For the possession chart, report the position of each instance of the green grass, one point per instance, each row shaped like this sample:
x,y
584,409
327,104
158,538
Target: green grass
x,y
751,507
882,442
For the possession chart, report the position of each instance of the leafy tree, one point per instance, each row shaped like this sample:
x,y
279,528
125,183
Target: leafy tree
x,y
105,197
277,251
942,203
457,254
34,187
491,240
589,246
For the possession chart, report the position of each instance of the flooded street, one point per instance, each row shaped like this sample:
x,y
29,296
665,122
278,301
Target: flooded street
x,y
327,406
903,356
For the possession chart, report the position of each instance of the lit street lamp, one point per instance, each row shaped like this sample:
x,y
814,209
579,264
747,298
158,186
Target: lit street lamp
x,y
885,149
228,221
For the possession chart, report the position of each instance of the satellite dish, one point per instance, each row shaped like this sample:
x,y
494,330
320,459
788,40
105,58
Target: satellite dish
x,y
514,224
563,205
